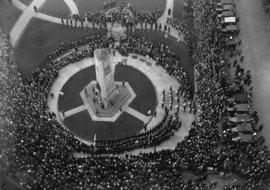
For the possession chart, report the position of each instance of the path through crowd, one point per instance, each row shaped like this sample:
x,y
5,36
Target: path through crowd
x,y
255,36
168,13
169,6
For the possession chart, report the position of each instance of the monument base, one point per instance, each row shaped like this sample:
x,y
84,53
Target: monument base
x,y
115,105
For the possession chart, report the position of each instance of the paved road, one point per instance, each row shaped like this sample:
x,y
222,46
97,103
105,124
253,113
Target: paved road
x,y
255,35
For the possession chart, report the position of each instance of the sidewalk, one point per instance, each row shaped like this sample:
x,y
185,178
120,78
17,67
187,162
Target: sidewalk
x,y
163,20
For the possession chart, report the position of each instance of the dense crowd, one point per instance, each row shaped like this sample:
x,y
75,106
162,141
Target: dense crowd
x,y
127,16
212,93
163,56
36,122
178,25
153,137
43,150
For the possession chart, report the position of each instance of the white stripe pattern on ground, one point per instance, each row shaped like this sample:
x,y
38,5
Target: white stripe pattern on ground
x,y
48,18
23,21
72,6
18,4
74,111
137,114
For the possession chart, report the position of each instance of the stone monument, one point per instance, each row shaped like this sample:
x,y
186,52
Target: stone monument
x,y
104,98
105,76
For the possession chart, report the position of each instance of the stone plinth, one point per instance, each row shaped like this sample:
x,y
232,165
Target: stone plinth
x,y
114,108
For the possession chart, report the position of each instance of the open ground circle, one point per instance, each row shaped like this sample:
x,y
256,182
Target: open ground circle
x,y
126,125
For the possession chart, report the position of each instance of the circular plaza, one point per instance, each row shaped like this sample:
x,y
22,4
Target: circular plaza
x,y
125,122
142,110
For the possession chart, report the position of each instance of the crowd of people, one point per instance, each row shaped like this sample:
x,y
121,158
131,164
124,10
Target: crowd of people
x,y
43,151
150,138
177,24
153,137
128,17
32,126
212,95
125,15
163,56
